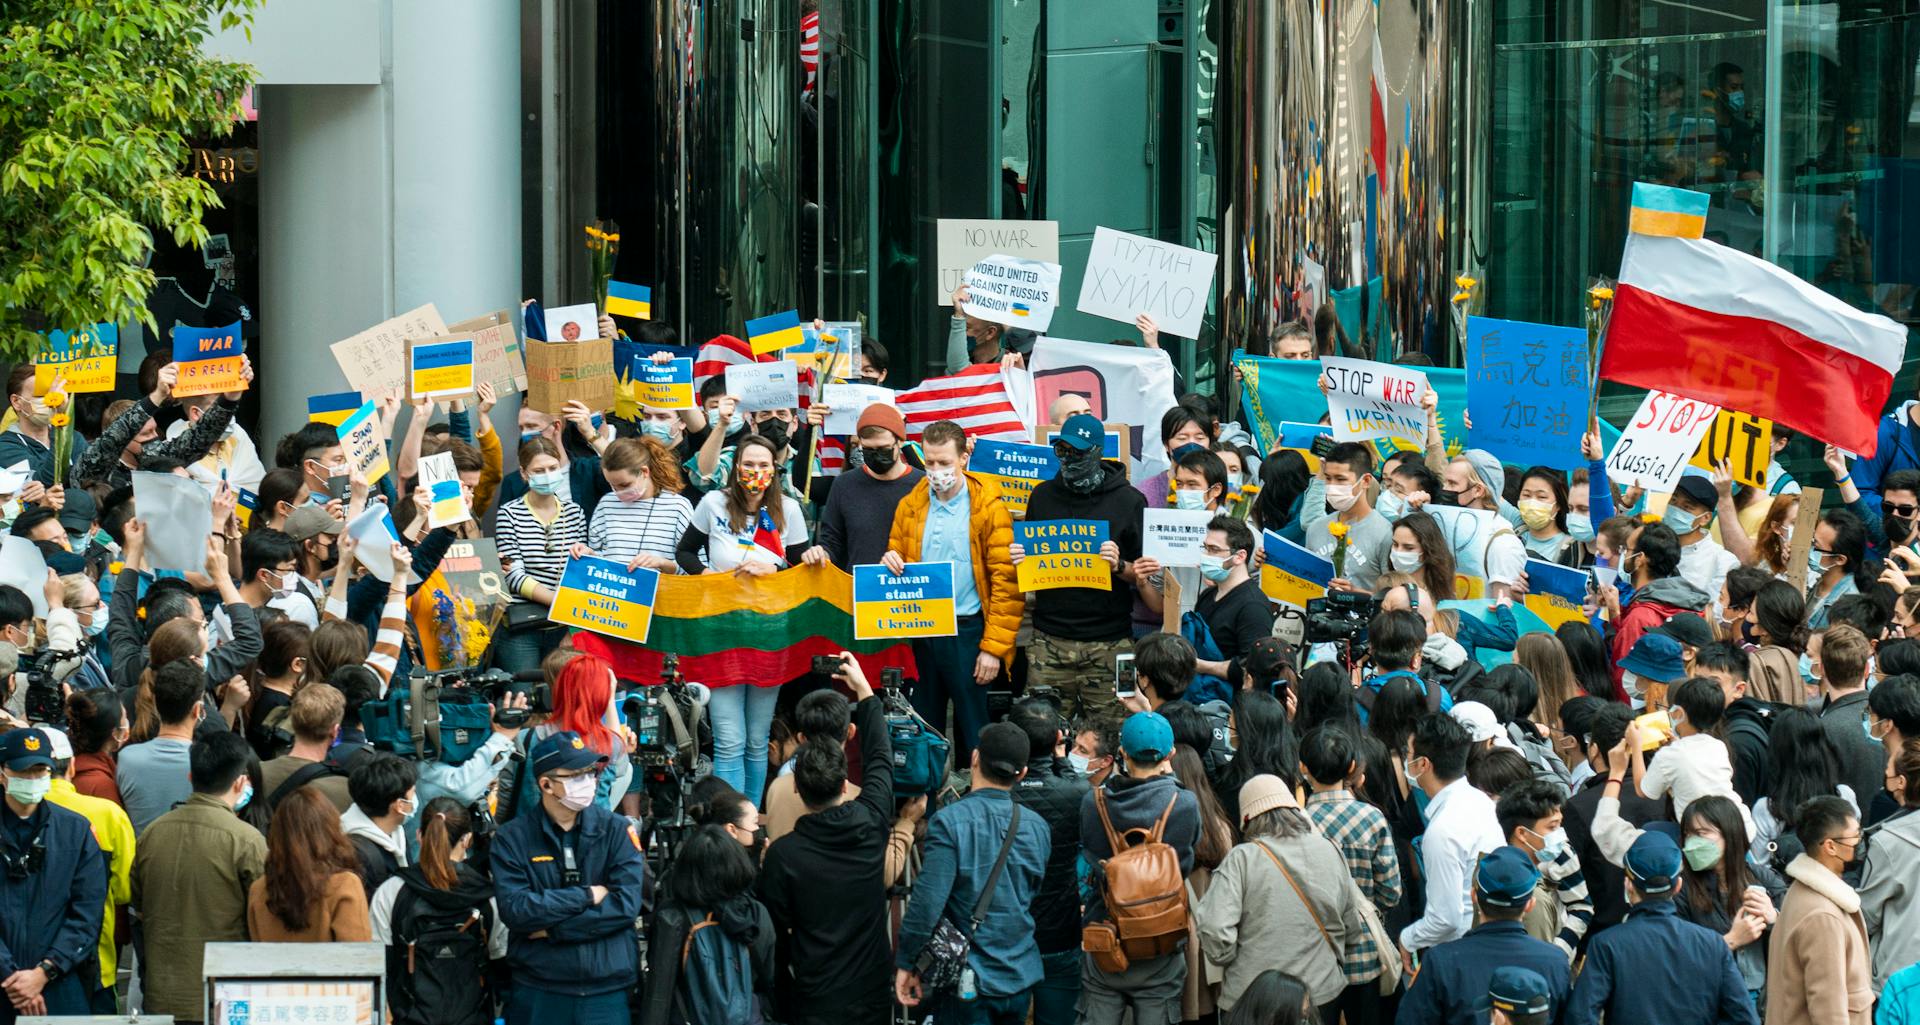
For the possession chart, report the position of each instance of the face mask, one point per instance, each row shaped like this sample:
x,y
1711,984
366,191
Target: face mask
x,y
1189,498
1404,562
11,510
1553,845
1814,561
632,493
1852,864
1537,515
1806,668
413,809
284,588
880,460
737,427
1341,497
39,415
1679,520
98,624
1580,525
1737,100
577,791
1676,718
1899,528
1448,498
1234,481
1631,684
29,791
1081,763
755,481
659,431
246,794
774,431
548,483
1214,568
1081,470
942,479
1701,852
1413,778
1391,506
1866,727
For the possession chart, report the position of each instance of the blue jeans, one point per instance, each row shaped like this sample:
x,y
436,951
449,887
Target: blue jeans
x,y
742,715
521,650
1058,991
984,1011
946,673
529,1006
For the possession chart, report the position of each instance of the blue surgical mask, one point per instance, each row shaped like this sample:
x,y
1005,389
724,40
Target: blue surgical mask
x,y
1214,568
1391,506
1188,498
98,624
548,483
1679,520
1081,763
246,794
1737,100
659,431
1580,525
1806,668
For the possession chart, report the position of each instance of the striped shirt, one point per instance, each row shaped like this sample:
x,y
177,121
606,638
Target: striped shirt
x,y
622,530
532,550
384,656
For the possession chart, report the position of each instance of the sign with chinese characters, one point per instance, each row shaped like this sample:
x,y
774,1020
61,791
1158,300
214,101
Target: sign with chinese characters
x,y
1527,391
1174,537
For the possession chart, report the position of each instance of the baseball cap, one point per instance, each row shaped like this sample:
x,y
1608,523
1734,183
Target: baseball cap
x,y
78,511
1262,794
1147,738
879,414
1653,862
1656,657
1698,489
311,520
1486,466
1479,721
1084,431
1506,877
1003,748
562,752
23,749
1689,628
1270,655
57,740
1516,990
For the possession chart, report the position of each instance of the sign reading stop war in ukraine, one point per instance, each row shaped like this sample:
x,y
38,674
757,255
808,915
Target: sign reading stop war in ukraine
x,y
208,360
916,603
1368,400
1015,292
1128,275
1016,468
605,597
1063,553
1527,391
1659,441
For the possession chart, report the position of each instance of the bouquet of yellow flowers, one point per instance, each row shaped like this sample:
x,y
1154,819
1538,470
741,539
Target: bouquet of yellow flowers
x,y
603,242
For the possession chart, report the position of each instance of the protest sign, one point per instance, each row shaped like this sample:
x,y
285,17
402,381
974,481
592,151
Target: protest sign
x,y
375,360
1467,532
1174,536
208,360
562,372
1122,384
497,356
1659,441
244,503
1313,286
333,409
666,385
1012,291
442,481
1016,468
845,403
472,568
605,597
22,565
1128,275
1062,553
1527,391
374,536
764,385
629,300
84,360
1298,437
1367,400
774,332
1555,593
439,368
364,438
959,244
834,352
577,323
1292,575
1803,526
917,603
179,520
1741,440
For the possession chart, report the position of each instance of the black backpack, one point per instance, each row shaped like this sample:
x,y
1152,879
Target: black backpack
x,y
437,962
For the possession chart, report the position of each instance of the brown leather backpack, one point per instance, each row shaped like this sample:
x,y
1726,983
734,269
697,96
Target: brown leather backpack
x,y
1146,893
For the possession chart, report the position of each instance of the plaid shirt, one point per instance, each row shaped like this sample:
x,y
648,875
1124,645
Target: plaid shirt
x,y
1360,831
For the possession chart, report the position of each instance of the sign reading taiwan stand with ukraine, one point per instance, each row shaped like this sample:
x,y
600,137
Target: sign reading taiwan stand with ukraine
x,y
209,360
1016,468
605,597
916,603
1527,391
1063,553
666,385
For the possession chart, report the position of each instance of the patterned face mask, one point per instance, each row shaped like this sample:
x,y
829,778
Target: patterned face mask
x,y
755,481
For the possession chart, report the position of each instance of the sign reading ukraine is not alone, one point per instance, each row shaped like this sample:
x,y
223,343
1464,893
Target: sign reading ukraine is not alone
x,y
916,603
605,597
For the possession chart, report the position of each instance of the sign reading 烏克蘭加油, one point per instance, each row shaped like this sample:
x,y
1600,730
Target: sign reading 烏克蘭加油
x,y
1062,553
1660,440
1368,400
1016,468
605,597
1527,391
916,603
207,360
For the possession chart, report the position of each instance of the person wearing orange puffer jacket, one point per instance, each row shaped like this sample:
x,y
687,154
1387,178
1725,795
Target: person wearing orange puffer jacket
x,y
958,516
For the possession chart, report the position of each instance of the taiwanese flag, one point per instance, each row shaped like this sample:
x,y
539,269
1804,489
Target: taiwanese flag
x,y
765,536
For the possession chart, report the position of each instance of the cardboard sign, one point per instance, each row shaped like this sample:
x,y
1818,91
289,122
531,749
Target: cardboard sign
x,y
1555,593
845,403
472,568
375,360
775,332
577,323
364,438
1659,442
917,603
442,481
1803,527
85,359
208,360
761,386
497,355
1368,400
1174,536
1016,468
1063,553
666,385
333,409
605,597
439,369
1128,275
1741,440
179,520
562,372
1527,391
1292,575
1015,292
960,243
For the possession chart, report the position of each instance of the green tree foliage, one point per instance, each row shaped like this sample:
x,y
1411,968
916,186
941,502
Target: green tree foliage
x,y
97,101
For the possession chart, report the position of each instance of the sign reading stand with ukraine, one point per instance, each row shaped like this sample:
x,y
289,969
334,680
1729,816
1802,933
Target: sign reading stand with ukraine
x,y
1063,553
775,332
916,603
1292,575
605,597
366,445
209,360
1016,468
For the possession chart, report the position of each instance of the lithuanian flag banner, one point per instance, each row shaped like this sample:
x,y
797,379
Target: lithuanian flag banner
x,y
730,628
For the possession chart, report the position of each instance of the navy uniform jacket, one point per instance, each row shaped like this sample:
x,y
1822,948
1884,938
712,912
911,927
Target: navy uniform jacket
x,y
1657,967
1454,976
54,913
588,949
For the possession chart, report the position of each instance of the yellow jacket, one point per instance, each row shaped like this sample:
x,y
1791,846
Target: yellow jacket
x,y
113,830
992,531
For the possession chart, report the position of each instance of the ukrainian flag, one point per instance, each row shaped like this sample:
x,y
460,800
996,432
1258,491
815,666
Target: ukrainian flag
x,y
624,300
775,332
1664,210
1292,575
334,409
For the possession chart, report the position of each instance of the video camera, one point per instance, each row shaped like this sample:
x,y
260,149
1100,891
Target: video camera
x,y
45,705
495,685
668,721
1341,618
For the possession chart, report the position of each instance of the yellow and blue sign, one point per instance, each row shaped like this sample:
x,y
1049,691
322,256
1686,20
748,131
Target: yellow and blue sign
x,y
605,597
244,504
916,603
1298,437
1292,575
775,332
440,369
208,360
1555,593
625,300
666,385
362,437
1665,210
333,409
1016,468
1063,553
85,359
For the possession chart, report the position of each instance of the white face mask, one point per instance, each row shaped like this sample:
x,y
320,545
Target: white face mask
x,y
1404,562
943,478
1341,496
1081,763
577,791
1553,845
1631,684
1391,506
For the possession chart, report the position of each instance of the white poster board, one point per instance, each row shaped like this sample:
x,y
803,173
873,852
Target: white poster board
x,y
760,386
1368,400
23,566
1128,275
373,540
577,323
178,517
960,243
1659,442
1013,291
1174,536
845,403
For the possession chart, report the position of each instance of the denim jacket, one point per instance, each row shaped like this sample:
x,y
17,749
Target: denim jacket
x,y
963,839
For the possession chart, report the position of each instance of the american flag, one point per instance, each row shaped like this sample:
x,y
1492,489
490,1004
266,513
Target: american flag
x,y
810,49
975,398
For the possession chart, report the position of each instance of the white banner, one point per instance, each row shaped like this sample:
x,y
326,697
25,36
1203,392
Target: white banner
x,y
1659,442
1015,292
845,403
1368,400
1128,275
179,520
760,386
1122,384
959,244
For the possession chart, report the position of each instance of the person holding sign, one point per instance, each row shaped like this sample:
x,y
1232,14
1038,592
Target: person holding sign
x,y
131,434
534,535
233,459
31,436
641,522
971,340
1352,527
1231,603
1476,479
956,516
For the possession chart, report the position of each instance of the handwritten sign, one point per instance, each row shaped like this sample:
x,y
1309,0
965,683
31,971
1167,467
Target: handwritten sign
x,y
1527,391
208,360
605,597
958,244
245,502
439,369
1292,575
473,569
442,481
917,603
764,385
1016,468
666,385
845,403
1555,593
1367,400
1741,440
1063,553
1654,450
85,359
1174,536
1128,275
375,360
497,355
1013,291
365,442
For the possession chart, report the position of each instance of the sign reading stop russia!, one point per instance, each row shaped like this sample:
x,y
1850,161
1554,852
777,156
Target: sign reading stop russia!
x,y
1659,441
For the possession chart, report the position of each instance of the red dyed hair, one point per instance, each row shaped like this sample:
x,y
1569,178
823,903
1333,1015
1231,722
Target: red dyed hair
x,y
580,699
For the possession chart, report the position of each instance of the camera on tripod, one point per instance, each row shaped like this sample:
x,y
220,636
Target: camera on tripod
x,y
1341,618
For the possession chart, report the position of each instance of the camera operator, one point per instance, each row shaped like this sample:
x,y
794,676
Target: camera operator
x,y
73,660
1052,788
469,781
1395,640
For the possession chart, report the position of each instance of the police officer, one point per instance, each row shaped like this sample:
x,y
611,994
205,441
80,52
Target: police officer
x,y
53,889
1519,996
1452,986
571,882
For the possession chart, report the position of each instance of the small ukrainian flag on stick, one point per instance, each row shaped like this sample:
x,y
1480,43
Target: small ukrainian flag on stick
x,y
1665,210
625,300
775,332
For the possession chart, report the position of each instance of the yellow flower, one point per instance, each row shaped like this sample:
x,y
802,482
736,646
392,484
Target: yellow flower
x,y
115,567
60,420
55,399
1461,297
1465,282
1602,294
1337,529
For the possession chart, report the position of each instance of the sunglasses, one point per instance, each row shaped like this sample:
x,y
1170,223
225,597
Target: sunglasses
x,y
1906,511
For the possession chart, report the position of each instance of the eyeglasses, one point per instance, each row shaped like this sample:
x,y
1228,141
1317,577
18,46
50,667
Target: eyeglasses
x,y
1216,550
1850,841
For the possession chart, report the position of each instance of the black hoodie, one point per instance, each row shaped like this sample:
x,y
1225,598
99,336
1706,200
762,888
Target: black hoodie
x,y
1082,613
743,919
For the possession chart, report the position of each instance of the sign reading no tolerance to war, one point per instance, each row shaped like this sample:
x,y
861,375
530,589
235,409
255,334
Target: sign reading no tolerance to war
x,y
1128,275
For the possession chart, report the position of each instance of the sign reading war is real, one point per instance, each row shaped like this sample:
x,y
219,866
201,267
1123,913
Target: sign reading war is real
x,y
1527,391
1659,441
605,597
916,603
1062,553
1018,469
1015,292
1128,275
208,360
1368,400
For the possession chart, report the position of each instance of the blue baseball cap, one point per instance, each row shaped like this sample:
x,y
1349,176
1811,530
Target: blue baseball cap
x,y
1655,657
1146,737
1506,877
1084,431
24,749
1653,862
1516,990
563,752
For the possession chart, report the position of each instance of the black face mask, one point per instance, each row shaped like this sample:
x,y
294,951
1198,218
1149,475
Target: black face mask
x,y
1446,497
1859,855
774,431
1899,528
1081,471
880,460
